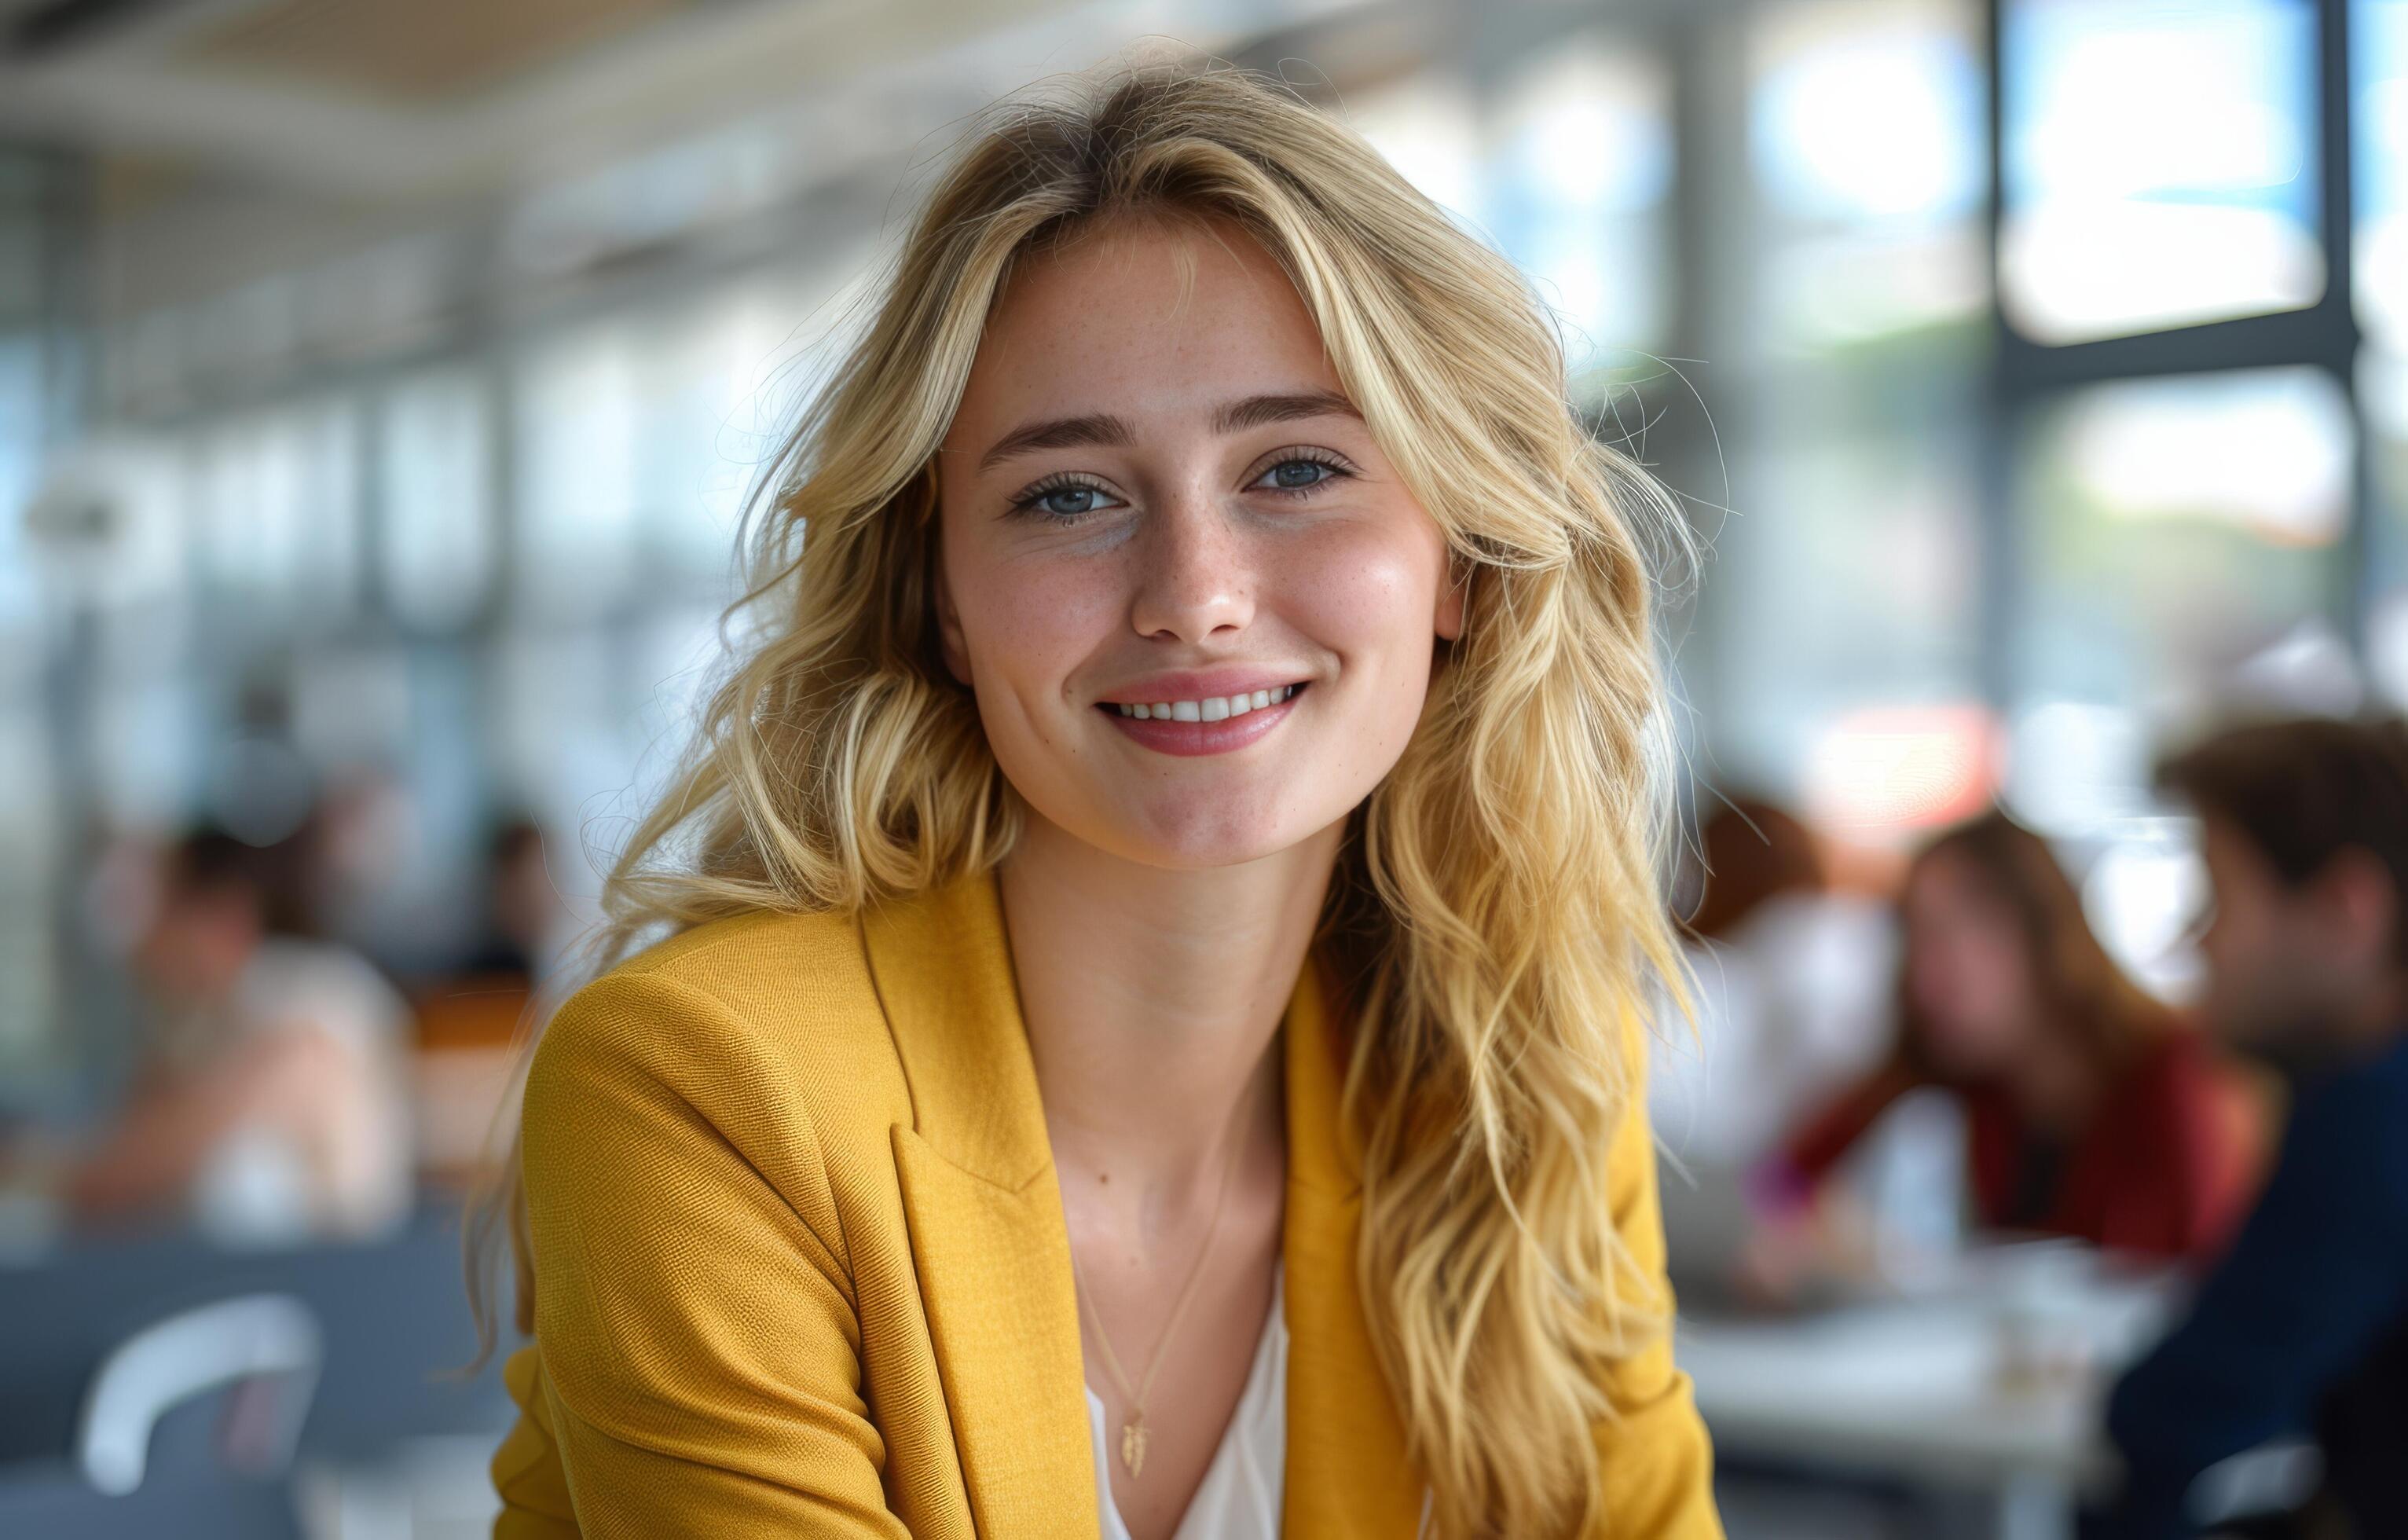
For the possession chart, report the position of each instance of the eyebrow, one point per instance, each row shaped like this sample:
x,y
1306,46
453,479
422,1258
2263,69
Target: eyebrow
x,y
1257,410
1103,428
1059,433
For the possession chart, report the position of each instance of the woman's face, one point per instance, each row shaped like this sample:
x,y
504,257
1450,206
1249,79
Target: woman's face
x,y
1154,495
1969,972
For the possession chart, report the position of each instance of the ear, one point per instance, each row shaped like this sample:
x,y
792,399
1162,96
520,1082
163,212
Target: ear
x,y
949,618
1454,598
2358,905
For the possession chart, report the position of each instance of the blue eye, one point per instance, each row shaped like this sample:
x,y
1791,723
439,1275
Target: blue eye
x,y
1299,474
1070,501
1065,502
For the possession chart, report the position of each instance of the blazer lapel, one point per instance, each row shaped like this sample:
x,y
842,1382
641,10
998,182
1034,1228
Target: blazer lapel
x,y
985,1212
994,1257
1348,1473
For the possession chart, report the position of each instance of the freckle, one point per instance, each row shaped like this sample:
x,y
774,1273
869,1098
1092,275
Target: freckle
x,y
1105,1177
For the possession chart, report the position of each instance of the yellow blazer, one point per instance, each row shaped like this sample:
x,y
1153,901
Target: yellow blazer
x,y
801,1268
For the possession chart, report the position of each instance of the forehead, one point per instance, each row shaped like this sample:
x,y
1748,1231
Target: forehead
x,y
1155,318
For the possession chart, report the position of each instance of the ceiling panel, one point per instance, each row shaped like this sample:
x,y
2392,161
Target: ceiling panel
x,y
411,52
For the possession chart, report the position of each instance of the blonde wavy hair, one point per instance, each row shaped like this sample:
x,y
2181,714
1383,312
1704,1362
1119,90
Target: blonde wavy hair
x,y
1496,914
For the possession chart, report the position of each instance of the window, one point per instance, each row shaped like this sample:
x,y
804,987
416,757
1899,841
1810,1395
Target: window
x,y
2383,392
2180,548
2161,165
1429,127
577,405
1847,581
2379,123
29,852
1865,136
1580,157
721,406
276,515
1838,658
1563,162
21,386
434,452
2379,166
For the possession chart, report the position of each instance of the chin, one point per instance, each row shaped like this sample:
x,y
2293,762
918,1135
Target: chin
x,y
1200,817
1189,828
1197,839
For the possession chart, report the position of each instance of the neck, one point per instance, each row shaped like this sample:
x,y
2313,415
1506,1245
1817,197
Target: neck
x,y
1151,998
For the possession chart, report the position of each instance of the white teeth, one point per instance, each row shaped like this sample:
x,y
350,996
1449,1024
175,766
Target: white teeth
x,y
1215,709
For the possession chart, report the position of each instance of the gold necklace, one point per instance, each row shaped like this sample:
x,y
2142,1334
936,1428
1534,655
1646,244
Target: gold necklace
x,y
1133,1431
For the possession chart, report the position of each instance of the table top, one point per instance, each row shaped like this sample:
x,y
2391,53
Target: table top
x,y
1984,1386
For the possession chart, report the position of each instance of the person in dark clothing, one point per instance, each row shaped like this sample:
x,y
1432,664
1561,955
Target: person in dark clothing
x,y
2303,1326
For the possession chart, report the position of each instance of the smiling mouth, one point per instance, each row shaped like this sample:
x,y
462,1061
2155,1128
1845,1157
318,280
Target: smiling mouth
x,y
1210,708
1189,729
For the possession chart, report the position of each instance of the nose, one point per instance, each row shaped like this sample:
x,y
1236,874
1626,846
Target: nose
x,y
1196,574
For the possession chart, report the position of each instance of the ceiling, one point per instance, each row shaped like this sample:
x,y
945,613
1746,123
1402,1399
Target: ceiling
x,y
273,181
378,101
409,52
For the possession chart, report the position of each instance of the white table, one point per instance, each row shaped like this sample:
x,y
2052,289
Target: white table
x,y
1919,1392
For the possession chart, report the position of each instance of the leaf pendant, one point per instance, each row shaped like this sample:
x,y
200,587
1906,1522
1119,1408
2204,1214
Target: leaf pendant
x,y
1133,1445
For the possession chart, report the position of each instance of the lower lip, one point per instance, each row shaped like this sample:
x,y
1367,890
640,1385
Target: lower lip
x,y
1191,738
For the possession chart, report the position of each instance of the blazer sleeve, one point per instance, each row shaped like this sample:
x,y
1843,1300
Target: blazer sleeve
x,y
1657,1463
699,1340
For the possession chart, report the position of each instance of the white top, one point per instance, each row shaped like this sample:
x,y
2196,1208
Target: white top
x,y
1239,1497
347,1169
1796,1004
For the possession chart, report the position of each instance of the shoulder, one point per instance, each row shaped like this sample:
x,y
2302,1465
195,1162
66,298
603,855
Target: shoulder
x,y
2357,1118
757,1023
759,977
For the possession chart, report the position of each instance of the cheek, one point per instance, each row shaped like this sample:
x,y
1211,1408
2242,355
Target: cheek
x,y
1368,593
1027,625
1998,969
2235,938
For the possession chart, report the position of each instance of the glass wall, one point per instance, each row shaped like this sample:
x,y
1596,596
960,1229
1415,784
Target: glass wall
x,y
2181,541
1844,595
2161,163
2379,141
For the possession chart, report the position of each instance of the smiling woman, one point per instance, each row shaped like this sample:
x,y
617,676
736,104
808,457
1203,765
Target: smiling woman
x,y
1158,922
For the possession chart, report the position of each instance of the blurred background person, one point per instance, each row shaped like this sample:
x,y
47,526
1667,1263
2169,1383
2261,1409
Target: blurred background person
x,y
1792,983
471,1015
2303,1327
267,1103
526,923
2088,1110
